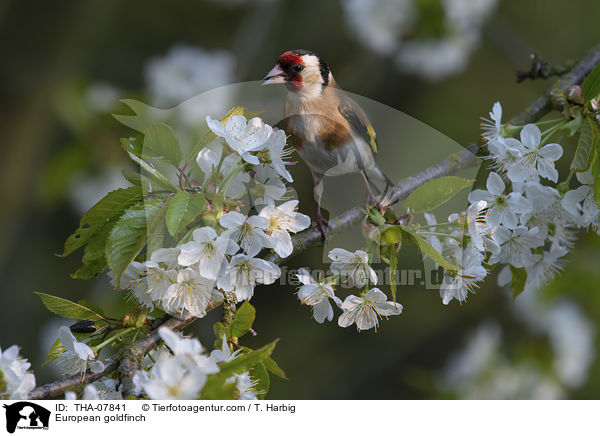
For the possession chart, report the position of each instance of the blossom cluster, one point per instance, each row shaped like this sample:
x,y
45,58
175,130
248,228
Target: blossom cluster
x,y
386,28
352,268
181,373
520,221
187,279
16,381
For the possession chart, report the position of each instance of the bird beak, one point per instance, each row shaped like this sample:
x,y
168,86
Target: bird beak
x,y
276,75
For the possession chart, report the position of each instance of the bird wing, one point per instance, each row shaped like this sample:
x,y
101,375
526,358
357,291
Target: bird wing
x,y
357,120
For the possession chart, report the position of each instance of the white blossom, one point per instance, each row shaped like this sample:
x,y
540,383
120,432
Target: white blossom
x,y
317,295
515,245
536,159
275,151
244,272
16,381
207,251
366,310
190,295
268,187
458,285
248,232
170,379
284,219
243,136
491,127
77,355
208,160
224,354
244,385
355,266
502,208
188,350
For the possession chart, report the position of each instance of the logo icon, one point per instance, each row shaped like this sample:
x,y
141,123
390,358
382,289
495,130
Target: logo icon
x,y
26,415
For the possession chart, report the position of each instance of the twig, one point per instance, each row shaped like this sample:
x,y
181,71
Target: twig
x,y
541,70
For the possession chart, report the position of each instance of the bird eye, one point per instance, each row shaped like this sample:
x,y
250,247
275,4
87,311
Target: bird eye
x,y
298,68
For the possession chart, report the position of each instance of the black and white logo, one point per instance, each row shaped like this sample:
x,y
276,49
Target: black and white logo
x,y
26,415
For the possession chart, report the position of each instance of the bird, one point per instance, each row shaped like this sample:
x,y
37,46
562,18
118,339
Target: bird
x,y
329,130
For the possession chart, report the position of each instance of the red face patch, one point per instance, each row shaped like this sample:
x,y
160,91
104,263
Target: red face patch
x,y
288,59
295,84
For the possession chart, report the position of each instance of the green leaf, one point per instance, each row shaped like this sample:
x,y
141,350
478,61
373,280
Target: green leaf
x,y
219,330
129,235
153,173
519,278
263,382
596,161
591,84
215,383
94,258
3,382
114,203
133,177
184,207
583,154
242,321
434,193
274,368
56,350
160,142
392,235
68,309
427,248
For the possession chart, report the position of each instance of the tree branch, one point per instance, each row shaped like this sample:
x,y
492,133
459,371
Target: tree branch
x,y
127,361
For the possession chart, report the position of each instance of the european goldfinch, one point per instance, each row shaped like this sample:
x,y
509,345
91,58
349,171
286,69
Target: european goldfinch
x,y
329,130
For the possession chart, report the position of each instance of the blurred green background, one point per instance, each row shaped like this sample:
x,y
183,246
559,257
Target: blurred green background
x,y
65,66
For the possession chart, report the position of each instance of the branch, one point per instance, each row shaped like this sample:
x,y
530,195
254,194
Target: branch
x,y
541,70
127,361
124,361
553,98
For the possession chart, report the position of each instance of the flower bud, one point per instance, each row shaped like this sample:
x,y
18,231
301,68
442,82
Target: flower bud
x,y
575,94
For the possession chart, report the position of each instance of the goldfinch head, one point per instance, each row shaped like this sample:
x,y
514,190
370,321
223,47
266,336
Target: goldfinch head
x,y
302,72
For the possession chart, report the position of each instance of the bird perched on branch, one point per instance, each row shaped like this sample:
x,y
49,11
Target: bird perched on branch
x,y
329,130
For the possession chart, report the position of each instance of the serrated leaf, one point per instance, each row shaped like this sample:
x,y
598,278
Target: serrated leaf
x,y
591,84
274,368
133,177
129,235
585,146
261,377
184,207
114,203
434,193
160,142
242,321
56,350
427,248
94,258
519,278
245,362
68,309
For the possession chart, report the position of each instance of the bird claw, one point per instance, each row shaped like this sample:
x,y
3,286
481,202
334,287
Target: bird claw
x,y
322,224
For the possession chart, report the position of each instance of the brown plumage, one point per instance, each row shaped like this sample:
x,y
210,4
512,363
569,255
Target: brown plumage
x,y
329,130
